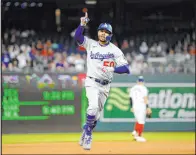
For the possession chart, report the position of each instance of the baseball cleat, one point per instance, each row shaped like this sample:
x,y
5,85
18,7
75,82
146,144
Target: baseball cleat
x,y
82,138
87,142
140,139
134,134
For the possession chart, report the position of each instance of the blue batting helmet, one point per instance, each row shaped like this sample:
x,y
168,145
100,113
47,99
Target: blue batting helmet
x,y
140,79
108,27
105,26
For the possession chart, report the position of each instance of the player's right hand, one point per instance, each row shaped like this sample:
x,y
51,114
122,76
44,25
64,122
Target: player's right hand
x,y
84,20
132,110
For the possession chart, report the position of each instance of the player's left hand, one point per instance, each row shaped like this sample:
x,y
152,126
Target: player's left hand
x,y
148,112
107,69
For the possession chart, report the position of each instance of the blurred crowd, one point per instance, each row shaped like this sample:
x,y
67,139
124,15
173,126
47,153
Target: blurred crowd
x,y
161,53
173,53
28,51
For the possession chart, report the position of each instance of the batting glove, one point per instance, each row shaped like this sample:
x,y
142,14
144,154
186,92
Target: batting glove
x,y
84,20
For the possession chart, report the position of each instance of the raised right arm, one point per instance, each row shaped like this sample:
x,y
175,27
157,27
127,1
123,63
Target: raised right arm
x,y
79,31
79,34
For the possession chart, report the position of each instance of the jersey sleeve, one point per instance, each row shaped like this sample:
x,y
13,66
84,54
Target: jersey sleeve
x,y
120,59
145,91
86,43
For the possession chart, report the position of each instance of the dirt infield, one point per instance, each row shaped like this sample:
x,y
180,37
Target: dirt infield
x,y
150,147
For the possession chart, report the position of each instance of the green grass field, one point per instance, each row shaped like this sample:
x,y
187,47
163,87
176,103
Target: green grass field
x,y
97,136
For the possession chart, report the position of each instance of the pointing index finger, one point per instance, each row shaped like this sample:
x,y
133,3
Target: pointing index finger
x,y
86,14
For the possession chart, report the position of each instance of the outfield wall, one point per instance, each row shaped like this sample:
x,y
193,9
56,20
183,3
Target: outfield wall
x,y
173,107
171,97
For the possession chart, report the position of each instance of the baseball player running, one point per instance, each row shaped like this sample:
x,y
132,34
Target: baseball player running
x,y
103,59
140,108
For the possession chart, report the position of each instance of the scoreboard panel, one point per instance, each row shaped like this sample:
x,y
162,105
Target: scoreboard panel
x,y
31,104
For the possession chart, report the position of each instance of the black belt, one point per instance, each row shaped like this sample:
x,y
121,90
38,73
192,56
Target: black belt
x,y
103,82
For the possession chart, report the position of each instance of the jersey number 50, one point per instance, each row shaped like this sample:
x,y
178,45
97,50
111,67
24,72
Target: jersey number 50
x,y
108,63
